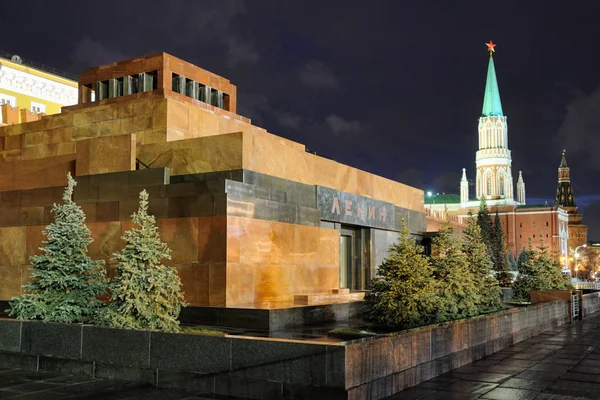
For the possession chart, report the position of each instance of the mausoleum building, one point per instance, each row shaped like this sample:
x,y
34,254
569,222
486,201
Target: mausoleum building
x,y
253,219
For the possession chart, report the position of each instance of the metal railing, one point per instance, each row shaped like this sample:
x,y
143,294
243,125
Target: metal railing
x,y
41,67
587,285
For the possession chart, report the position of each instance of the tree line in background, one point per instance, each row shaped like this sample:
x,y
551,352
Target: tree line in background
x,y
538,269
461,278
66,284
413,289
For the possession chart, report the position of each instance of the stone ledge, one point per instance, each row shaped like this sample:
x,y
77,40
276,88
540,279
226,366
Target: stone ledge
x,y
282,369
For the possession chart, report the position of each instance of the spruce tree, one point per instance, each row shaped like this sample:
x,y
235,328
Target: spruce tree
x,y
65,282
485,223
527,279
145,294
524,261
403,293
550,269
459,295
537,271
480,267
499,255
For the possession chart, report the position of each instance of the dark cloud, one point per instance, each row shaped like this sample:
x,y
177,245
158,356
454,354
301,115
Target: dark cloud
x,y
383,86
412,177
591,216
317,75
288,120
90,52
342,126
580,129
446,182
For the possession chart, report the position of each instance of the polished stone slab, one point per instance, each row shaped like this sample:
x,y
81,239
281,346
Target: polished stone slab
x,y
27,385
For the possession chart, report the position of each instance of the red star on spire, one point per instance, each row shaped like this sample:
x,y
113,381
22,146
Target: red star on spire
x,y
491,46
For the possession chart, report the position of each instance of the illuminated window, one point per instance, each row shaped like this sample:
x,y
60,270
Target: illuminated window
x,y
5,99
501,186
38,107
489,187
489,137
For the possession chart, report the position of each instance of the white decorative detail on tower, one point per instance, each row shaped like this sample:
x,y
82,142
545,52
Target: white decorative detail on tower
x,y
464,187
521,189
493,160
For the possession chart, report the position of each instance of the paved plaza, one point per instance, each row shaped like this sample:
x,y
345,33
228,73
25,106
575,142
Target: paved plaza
x,y
29,385
560,364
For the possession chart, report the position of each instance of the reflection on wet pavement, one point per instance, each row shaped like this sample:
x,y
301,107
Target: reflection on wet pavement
x,y
560,364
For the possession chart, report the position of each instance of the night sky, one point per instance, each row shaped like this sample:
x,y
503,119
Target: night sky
x,y
390,87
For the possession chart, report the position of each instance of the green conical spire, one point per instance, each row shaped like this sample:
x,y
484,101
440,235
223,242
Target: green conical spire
x,y
491,103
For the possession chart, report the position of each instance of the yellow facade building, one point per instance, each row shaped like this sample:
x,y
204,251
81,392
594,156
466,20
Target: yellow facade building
x,y
34,88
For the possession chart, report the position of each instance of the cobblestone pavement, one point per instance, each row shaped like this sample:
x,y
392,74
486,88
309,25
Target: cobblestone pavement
x,y
31,385
560,364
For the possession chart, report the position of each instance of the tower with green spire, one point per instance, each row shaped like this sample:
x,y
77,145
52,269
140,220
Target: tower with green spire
x,y
491,101
494,181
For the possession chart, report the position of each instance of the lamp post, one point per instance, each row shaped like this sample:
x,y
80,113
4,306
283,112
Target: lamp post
x,y
576,255
431,200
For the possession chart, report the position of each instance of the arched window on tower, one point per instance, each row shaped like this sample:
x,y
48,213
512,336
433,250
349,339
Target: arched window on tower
x,y
501,185
489,137
489,186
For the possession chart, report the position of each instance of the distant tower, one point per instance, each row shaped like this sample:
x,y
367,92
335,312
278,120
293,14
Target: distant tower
x,y
464,188
494,179
564,193
577,231
521,189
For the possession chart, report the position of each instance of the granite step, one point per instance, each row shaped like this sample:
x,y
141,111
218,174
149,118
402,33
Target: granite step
x,y
327,298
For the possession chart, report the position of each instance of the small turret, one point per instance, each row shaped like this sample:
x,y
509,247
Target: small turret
x,y
521,189
464,187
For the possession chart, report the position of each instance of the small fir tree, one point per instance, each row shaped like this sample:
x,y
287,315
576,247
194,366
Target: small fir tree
x,y
526,280
403,294
524,265
480,266
550,269
484,221
499,255
65,282
145,294
537,271
459,295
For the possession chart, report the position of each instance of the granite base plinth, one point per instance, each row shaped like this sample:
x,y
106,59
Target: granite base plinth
x,y
271,320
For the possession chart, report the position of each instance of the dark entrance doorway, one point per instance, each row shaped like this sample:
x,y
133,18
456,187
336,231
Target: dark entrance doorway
x,y
354,266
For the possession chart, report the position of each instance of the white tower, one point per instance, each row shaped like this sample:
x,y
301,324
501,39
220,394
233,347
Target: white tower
x,y
521,189
464,188
494,180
